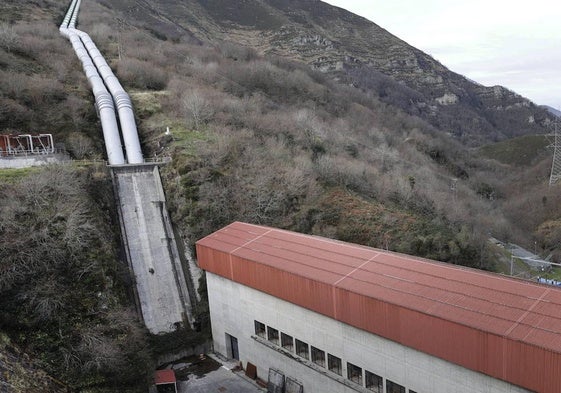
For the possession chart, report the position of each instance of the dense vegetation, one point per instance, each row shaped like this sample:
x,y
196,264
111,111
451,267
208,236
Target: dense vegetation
x,y
253,138
63,292
354,51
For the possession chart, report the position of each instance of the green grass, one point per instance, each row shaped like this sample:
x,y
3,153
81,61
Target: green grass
x,y
14,175
182,138
502,262
519,151
147,103
553,274
186,138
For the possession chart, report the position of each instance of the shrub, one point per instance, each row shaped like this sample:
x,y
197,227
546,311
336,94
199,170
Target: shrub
x,y
9,39
80,145
237,52
141,74
196,108
61,288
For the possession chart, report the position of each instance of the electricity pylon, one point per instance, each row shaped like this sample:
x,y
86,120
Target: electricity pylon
x,y
556,145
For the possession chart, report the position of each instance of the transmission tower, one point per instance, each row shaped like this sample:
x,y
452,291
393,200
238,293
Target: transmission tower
x,y
556,145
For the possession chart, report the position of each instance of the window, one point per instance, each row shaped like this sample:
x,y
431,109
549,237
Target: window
x,y
273,335
287,342
354,373
374,382
260,329
318,357
302,349
334,364
392,387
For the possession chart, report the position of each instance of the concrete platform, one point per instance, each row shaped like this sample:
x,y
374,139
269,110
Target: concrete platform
x,y
221,380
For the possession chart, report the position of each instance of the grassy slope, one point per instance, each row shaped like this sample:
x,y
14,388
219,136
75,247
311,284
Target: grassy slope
x,y
521,151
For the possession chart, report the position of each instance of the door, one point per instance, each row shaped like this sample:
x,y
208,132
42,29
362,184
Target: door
x,y
234,348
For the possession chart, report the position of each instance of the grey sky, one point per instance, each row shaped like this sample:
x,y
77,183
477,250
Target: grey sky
x,y
513,43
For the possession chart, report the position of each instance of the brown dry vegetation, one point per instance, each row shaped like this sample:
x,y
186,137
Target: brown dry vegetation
x,y
63,292
266,140
253,138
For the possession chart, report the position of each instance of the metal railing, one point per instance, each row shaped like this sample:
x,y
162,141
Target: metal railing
x,y
36,152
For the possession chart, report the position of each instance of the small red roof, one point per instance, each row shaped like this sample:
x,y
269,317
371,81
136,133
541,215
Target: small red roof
x,y
164,377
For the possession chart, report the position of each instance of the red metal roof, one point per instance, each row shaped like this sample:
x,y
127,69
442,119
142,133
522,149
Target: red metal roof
x,y
162,377
504,327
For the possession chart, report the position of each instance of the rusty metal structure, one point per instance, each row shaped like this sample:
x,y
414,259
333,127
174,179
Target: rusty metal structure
x,y
26,144
505,328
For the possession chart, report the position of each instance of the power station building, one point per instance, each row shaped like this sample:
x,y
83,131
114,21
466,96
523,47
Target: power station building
x,y
339,317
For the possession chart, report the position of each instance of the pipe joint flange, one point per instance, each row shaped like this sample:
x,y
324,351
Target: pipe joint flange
x,y
104,101
123,100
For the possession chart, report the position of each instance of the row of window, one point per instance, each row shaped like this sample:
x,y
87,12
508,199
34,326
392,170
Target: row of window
x,y
334,364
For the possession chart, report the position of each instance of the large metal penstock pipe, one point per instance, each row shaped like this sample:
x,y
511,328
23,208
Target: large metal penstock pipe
x,y
72,21
104,103
68,15
122,101
103,99
120,98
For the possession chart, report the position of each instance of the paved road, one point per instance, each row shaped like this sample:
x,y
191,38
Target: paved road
x,y
221,380
528,257
531,259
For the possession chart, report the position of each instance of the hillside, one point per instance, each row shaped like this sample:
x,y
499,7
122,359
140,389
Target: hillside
x,y
554,111
18,373
354,51
64,293
265,138
260,133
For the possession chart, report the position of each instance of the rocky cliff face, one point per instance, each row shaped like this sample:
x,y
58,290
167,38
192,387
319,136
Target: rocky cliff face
x,y
355,51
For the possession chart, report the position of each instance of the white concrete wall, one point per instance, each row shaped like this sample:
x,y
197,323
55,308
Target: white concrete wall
x,y
31,160
234,308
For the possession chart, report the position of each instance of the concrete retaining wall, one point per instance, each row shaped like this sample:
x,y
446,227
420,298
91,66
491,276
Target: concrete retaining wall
x,y
15,162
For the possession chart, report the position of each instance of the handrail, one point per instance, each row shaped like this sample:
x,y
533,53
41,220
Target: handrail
x,y
27,152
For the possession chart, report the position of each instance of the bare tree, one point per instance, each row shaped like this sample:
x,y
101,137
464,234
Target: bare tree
x,y
80,145
197,108
8,37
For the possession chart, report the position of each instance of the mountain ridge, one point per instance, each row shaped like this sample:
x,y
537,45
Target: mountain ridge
x,y
551,110
358,52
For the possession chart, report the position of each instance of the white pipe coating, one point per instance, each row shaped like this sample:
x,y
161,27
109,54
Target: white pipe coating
x,y
103,99
121,98
72,22
101,79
